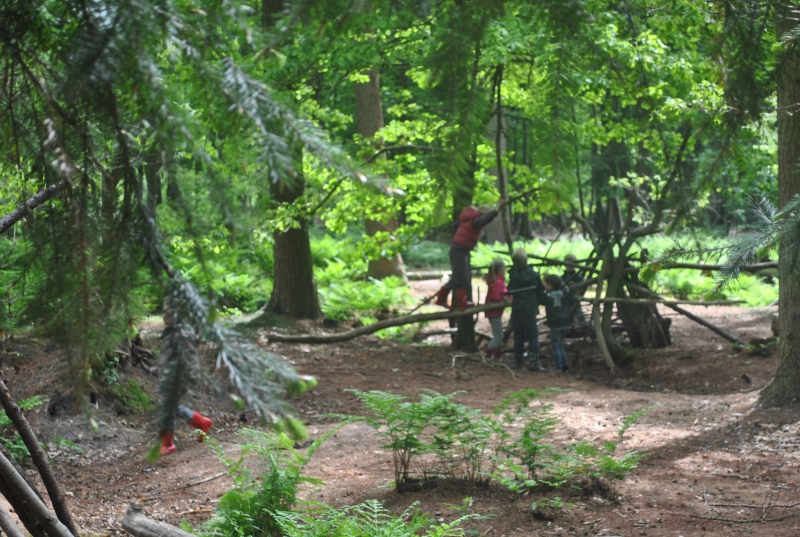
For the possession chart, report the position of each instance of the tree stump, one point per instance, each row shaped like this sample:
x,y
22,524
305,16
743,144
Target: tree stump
x,y
646,328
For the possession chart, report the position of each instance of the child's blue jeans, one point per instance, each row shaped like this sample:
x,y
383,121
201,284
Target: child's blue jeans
x,y
526,329
557,340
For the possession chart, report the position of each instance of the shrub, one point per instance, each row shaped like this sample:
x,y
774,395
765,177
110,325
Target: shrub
x,y
369,519
466,444
426,254
248,509
530,460
401,424
15,446
346,299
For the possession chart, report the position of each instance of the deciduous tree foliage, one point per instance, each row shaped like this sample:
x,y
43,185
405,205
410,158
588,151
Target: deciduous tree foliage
x,y
619,120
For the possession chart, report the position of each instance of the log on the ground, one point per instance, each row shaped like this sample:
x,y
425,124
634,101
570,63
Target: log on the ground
x,y
387,323
419,336
419,275
714,328
138,525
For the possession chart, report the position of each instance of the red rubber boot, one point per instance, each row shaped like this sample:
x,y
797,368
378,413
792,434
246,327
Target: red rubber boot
x,y
167,445
441,297
201,422
461,299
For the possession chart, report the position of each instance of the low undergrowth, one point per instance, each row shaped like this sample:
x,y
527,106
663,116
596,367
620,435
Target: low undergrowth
x,y
436,437
263,502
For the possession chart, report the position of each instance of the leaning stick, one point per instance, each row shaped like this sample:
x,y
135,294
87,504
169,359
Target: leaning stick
x,y
388,323
57,497
22,491
714,328
666,302
8,525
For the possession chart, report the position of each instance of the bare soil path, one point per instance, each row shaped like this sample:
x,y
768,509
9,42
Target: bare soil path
x,y
711,454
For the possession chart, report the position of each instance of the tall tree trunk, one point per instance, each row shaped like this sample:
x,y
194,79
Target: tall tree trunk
x,y
785,387
294,292
369,120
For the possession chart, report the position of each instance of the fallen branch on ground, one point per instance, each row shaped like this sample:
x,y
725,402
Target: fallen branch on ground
x,y
138,525
714,328
387,323
738,521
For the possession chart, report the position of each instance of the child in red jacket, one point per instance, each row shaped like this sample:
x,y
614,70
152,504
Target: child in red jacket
x,y
468,228
496,280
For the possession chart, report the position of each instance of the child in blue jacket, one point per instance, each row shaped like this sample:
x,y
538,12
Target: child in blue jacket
x,y
557,306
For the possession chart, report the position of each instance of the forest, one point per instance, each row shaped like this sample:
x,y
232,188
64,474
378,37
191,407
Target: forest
x,y
419,267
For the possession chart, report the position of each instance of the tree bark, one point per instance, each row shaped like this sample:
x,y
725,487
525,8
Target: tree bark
x,y
22,511
785,387
294,292
39,458
464,338
369,120
8,525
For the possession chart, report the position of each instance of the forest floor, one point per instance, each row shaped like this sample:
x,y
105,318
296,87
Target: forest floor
x,y
712,456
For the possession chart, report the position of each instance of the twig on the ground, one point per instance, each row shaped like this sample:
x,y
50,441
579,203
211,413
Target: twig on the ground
x,y
206,480
195,511
737,521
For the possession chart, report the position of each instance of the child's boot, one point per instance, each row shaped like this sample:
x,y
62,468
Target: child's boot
x,y
461,299
167,445
201,422
533,362
441,297
488,353
517,361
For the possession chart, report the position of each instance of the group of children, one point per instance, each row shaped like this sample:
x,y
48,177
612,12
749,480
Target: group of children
x,y
526,287
529,292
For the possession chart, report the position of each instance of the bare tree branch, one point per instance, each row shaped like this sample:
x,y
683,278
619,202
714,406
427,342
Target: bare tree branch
x,y
20,212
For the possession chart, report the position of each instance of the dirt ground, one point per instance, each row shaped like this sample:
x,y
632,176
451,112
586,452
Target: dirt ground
x,y
713,457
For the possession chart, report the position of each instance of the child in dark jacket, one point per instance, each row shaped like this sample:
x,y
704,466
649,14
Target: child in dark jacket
x,y
526,287
557,305
468,228
496,281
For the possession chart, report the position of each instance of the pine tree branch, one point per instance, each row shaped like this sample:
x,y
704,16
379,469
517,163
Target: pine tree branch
x,y
23,210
